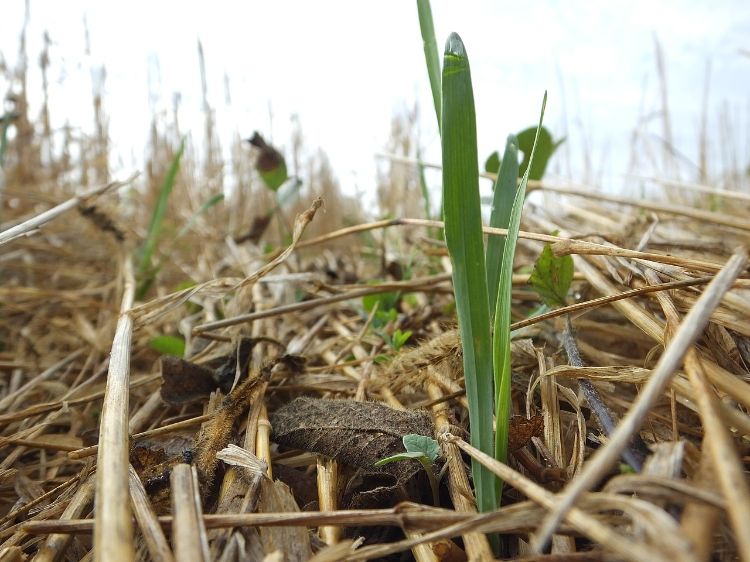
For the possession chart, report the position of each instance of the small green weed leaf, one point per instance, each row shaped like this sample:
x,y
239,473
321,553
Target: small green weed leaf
x,y
275,177
545,148
399,338
422,444
552,276
270,165
385,301
400,457
492,164
168,345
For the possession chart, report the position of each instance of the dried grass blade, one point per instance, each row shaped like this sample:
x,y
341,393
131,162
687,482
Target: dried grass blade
x,y
188,530
153,535
690,328
580,520
727,463
113,537
56,544
156,308
42,218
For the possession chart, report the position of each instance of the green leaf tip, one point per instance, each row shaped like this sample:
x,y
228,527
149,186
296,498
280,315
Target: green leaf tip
x,y
454,46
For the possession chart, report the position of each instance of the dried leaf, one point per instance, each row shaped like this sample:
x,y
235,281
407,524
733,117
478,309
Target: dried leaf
x,y
355,433
522,430
184,382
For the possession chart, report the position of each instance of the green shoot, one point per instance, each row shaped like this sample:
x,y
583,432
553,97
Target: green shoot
x,y
431,55
463,235
386,304
551,277
423,449
145,270
502,203
423,186
501,331
150,277
398,338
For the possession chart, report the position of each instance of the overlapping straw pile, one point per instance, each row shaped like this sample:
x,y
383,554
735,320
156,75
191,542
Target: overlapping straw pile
x,y
110,451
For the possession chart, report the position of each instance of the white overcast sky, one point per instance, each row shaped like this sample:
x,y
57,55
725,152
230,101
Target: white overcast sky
x,y
345,67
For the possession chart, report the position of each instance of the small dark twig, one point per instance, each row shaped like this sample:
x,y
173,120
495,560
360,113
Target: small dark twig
x,y
637,452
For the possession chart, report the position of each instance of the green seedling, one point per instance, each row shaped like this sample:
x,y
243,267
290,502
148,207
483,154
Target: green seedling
x,y
386,304
501,326
383,309
545,148
463,236
398,338
423,449
552,277
146,272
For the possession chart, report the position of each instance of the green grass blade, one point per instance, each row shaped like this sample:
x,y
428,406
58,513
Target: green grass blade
x,y
431,55
423,187
505,189
463,234
501,332
157,221
211,202
149,276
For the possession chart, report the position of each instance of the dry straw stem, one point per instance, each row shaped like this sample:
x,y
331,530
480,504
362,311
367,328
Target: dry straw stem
x,y
328,486
7,402
638,316
728,193
727,463
476,544
561,245
42,218
405,514
62,403
413,285
188,531
581,521
690,328
149,312
592,193
153,535
113,538
42,498
56,544
717,440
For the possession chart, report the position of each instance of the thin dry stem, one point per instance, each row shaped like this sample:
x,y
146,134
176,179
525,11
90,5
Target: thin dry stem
x,y
689,330
113,539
